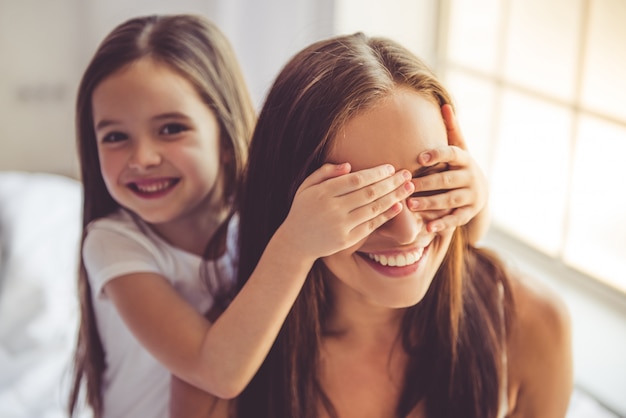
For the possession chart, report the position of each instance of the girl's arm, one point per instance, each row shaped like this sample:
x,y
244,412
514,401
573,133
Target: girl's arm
x,y
187,401
463,185
333,209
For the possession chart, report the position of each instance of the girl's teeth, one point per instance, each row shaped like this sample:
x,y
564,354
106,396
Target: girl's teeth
x,y
398,260
154,187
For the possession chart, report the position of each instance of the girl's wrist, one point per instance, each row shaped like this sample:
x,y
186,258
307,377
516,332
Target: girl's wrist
x,y
288,249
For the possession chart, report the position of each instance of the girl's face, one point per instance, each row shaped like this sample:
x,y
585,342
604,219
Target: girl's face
x,y
158,143
395,265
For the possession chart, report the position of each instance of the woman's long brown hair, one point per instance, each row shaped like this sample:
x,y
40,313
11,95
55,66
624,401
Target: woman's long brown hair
x,y
197,50
453,336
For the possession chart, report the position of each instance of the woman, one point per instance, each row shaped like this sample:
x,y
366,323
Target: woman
x,y
409,322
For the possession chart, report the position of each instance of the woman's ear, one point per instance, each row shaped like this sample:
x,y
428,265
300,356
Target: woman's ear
x,y
455,137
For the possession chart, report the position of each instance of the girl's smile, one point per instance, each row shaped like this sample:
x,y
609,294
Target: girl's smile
x,y
153,188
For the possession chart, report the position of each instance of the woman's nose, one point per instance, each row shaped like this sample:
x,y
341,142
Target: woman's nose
x,y
145,154
404,227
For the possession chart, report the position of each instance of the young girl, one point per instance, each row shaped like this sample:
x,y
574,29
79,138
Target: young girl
x,y
407,322
163,120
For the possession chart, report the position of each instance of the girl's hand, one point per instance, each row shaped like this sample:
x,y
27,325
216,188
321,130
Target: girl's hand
x,y
334,209
455,183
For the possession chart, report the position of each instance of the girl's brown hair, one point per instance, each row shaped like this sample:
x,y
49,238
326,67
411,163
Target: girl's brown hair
x,y
454,336
197,50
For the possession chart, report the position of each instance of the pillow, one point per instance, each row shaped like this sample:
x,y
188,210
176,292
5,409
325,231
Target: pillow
x,y
40,218
2,255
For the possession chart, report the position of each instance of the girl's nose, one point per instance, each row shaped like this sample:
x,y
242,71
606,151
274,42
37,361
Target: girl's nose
x,y
404,227
145,154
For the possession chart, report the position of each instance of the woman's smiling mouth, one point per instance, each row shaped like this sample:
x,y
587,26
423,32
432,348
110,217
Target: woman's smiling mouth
x,y
397,260
397,263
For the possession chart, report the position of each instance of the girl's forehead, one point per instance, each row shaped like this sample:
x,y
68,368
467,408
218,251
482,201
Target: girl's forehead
x,y
145,65
394,131
144,89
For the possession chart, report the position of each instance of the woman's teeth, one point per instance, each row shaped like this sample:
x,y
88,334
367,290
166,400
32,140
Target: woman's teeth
x,y
398,260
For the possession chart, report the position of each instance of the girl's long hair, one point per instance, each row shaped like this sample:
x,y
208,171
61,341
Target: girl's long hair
x,y
198,51
453,336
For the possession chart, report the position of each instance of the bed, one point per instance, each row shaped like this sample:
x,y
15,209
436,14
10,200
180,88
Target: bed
x,y
39,241
39,235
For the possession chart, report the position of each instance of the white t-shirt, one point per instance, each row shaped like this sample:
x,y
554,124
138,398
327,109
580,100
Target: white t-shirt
x,y
134,383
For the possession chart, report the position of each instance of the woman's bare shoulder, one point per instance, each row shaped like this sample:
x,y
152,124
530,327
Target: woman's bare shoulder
x,y
540,311
540,356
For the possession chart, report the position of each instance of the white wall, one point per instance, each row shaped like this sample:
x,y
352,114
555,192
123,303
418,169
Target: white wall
x,y
265,34
38,69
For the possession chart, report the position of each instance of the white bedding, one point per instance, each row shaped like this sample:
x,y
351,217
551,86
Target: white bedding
x,y
39,233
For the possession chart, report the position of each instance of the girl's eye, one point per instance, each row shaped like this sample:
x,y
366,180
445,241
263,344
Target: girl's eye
x,y
114,137
173,129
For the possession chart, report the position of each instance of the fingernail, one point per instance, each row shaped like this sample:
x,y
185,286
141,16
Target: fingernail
x,y
390,169
434,228
406,175
408,186
414,204
426,157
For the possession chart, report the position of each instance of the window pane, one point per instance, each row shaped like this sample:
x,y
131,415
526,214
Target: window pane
x,y
473,33
542,45
604,83
530,172
474,101
597,226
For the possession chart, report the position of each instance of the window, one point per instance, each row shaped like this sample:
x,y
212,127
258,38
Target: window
x,y
541,92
